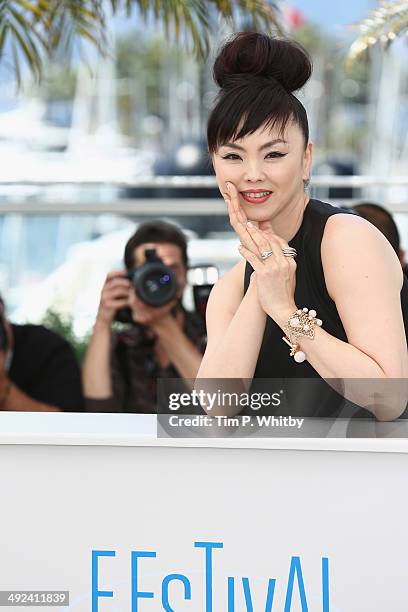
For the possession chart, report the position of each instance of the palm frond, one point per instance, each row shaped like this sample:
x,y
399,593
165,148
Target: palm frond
x,y
382,25
18,39
33,30
263,15
85,21
194,17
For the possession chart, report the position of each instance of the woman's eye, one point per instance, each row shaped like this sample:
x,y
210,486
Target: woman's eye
x,y
230,156
272,154
276,154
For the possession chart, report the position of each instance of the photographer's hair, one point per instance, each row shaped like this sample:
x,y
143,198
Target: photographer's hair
x,y
158,232
382,219
257,74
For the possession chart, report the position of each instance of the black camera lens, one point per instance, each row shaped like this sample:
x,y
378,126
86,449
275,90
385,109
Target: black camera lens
x,y
155,283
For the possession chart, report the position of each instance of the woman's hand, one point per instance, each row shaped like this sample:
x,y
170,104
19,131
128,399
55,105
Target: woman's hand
x,y
275,276
238,218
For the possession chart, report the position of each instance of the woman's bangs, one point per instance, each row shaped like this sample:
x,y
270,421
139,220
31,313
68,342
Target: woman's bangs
x,y
236,123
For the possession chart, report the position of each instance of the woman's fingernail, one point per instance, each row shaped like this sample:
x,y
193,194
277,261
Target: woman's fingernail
x,y
249,224
227,186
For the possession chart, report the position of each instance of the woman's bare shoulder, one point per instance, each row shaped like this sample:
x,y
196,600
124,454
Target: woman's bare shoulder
x,y
352,245
349,233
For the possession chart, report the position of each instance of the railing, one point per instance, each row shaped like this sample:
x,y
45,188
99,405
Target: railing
x,y
66,195
329,180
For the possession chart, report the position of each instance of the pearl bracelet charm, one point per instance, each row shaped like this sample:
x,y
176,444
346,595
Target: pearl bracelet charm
x,y
297,355
301,323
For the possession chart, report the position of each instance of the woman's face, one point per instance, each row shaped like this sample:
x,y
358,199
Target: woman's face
x,y
265,161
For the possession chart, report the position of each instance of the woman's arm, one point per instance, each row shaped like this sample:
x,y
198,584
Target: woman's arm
x,y
364,278
235,328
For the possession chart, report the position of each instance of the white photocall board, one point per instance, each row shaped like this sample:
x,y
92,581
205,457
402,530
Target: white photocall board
x,y
126,522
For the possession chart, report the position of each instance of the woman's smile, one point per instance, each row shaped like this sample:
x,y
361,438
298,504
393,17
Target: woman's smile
x,y
256,197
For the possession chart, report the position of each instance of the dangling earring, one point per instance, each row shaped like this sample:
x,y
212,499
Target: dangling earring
x,y
306,183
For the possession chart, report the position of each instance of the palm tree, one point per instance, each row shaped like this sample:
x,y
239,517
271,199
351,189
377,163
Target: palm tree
x,y
32,31
383,24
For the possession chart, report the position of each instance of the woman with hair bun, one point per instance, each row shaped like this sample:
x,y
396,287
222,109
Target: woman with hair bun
x,y
319,292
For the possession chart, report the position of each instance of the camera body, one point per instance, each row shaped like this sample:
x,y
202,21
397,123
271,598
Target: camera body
x,y
154,283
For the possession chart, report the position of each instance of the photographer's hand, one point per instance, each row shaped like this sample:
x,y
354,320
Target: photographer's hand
x,y
115,295
148,315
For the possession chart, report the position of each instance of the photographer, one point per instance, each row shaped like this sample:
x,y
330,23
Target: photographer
x,y
38,369
121,368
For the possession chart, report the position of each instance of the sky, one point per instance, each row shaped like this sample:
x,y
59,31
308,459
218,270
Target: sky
x,y
333,15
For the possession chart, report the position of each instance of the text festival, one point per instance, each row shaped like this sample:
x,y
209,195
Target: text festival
x,y
138,564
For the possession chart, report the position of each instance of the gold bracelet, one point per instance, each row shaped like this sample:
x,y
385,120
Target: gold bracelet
x,y
301,323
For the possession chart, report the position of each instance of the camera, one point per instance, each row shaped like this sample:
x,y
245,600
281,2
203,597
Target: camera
x,y
154,283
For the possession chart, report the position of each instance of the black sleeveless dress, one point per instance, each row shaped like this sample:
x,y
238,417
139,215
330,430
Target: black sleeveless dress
x,y
307,397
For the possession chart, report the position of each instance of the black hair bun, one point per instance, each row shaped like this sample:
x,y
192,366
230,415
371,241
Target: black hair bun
x,y
250,54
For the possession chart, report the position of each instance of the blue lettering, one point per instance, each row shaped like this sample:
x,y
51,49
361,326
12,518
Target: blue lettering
x,y
325,584
247,595
231,594
295,567
165,589
136,595
208,570
95,592
269,596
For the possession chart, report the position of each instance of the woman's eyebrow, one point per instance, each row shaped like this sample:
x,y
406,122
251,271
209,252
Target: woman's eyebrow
x,y
264,146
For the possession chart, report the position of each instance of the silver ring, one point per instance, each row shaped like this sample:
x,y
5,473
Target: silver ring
x,y
289,252
266,254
